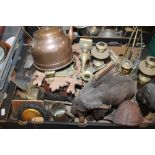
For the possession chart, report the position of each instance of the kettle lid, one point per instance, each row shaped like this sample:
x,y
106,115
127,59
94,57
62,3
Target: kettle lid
x,y
47,31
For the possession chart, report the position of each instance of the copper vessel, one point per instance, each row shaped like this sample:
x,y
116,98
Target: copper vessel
x,y
52,48
128,113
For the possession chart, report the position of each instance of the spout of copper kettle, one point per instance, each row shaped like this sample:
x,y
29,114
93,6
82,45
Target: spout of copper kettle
x,y
70,33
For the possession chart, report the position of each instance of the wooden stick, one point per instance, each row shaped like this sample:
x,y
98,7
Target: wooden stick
x,y
103,71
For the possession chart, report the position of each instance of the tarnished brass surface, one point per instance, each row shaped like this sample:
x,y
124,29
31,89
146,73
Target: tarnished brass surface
x,y
100,55
101,46
143,79
98,63
126,67
87,75
147,66
85,56
85,44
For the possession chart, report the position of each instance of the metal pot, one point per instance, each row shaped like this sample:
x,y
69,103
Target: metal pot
x,y
52,48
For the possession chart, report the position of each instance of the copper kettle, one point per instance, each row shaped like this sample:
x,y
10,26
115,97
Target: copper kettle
x,y
52,48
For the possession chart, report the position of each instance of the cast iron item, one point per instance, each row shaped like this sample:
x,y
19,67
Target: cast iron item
x,y
27,111
52,48
128,114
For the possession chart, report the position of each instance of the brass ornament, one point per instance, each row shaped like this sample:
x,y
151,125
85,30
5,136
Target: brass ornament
x,y
147,66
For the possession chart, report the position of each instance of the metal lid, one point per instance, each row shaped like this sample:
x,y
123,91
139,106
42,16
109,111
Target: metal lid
x,y
47,31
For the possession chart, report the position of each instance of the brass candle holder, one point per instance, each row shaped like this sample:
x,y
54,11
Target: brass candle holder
x,y
143,79
85,45
126,67
147,66
100,53
147,70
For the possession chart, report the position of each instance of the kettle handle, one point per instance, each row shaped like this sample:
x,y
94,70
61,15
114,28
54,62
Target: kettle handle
x,y
70,33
